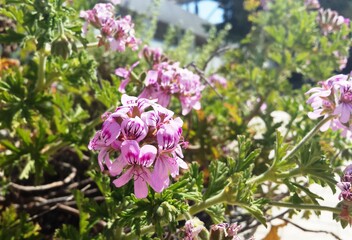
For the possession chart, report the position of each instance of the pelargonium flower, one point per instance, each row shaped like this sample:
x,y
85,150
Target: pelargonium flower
x,y
225,231
147,141
153,56
312,4
192,229
217,79
126,74
334,99
346,191
347,174
330,21
168,79
116,34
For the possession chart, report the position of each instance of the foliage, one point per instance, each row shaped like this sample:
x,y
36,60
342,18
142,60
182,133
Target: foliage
x,y
247,146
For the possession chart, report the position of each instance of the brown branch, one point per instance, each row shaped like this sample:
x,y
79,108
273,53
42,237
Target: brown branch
x,y
202,76
215,53
309,230
50,185
76,212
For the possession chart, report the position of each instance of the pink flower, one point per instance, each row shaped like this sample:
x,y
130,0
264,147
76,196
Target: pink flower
x,y
347,174
192,228
126,74
330,21
344,108
312,4
225,231
147,141
167,80
153,56
334,98
217,79
116,34
346,191
138,162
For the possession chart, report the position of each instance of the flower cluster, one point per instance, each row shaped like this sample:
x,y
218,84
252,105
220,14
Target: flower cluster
x,y
330,21
116,34
192,229
165,80
168,79
215,79
312,4
147,144
346,194
225,231
333,99
346,184
153,56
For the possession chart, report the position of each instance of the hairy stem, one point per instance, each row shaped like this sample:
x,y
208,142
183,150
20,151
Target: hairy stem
x,y
88,46
305,207
41,71
307,138
270,173
217,199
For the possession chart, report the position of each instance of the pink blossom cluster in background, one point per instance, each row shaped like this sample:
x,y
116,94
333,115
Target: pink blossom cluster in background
x,y
192,229
153,56
226,231
330,21
216,79
312,4
147,141
166,80
115,34
333,98
346,194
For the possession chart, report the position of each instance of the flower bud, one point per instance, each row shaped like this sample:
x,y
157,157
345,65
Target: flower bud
x,y
347,174
61,46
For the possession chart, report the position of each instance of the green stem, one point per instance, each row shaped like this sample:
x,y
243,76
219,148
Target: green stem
x,y
217,199
271,171
305,207
41,71
118,233
88,46
307,138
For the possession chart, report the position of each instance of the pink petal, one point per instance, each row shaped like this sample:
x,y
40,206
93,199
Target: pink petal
x,y
122,72
124,178
110,131
117,166
130,151
345,113
151,78
140,187
147,155
128,100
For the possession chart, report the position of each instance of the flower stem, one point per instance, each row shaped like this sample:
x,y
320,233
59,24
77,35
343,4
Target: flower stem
x,y
41,71
271,171
307,137
88,46
305,207
217,199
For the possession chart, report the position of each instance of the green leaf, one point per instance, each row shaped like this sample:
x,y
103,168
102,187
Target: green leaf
x,y
84,224
27,169
217,213
256,212
11,37
218,178
8,144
